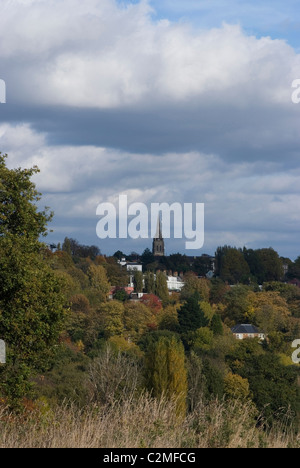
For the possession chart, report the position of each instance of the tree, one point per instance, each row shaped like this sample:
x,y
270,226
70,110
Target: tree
x,y
112,318
149,282
147,257
31,298
137,319
76,250
115,275
265,264
196,381
233,267
119,255
214,381
273,385
202,265
161,288
138,281
216,325
237,303
165,371
168,318
236,387
177,262
19,215
294,269
202,339
218,290
99,284
191,316
121,295
271,265
66,247
192,284
80,303
152,302
270,311
114,376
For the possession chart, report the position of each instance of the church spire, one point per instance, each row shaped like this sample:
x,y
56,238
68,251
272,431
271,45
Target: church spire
x,y
158,245
158,234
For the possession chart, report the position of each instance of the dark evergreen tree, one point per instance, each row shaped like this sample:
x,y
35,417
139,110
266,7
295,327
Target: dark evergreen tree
x,y
191,316
216,325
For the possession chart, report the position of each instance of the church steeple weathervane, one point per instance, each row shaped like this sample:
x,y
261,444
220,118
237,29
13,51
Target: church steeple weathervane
x,y
158,245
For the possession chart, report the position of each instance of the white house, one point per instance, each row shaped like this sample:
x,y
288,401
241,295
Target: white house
x,y
174,283
134,267
245,330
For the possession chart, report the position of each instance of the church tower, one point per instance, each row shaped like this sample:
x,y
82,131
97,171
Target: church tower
x,y
158,245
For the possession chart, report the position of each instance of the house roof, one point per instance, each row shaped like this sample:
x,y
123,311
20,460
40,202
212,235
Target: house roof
x,y
245,328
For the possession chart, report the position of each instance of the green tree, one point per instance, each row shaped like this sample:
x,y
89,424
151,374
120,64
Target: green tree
x,y
271,265
168,318
233,266
202,339
177,262
147,257
202,265
294,269
161,288
273,385
77,251
66,247
31,298
112,318
218,290
149,282
192,284
265,264
216,325
19,215
214,380
115,275
138,281
191,316
119,255
137,318
237,303
236,387
99,284
121,295
270,311
165,371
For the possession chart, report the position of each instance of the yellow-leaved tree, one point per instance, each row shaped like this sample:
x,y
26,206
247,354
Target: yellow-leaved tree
x,y
165,370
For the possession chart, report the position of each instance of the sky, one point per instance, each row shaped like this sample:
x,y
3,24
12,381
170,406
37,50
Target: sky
x,y
163,101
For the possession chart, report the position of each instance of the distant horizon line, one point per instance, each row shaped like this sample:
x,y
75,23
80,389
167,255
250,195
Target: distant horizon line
x,y
189,254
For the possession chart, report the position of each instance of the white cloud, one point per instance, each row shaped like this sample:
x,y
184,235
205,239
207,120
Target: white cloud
x,y
239,203
97,54
232,89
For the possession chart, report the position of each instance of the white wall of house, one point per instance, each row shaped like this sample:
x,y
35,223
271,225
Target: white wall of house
x,y
174,283
134,267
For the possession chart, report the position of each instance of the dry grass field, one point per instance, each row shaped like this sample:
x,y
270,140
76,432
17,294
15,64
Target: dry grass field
x,y
143,423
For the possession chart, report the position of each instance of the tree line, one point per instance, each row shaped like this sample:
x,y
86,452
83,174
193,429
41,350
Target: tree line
x,y
230,264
